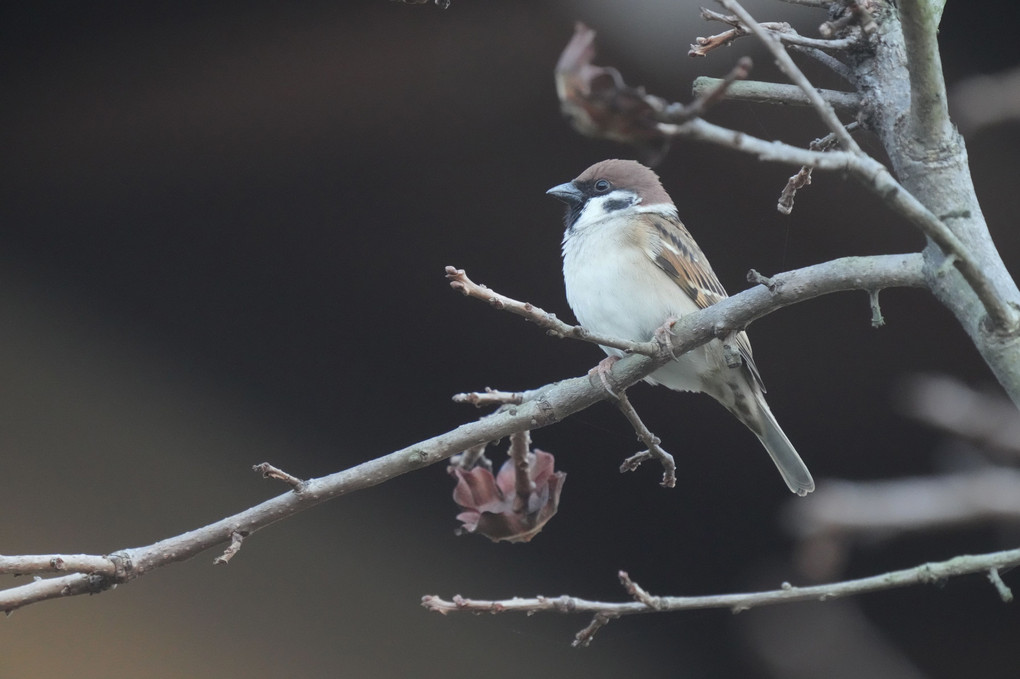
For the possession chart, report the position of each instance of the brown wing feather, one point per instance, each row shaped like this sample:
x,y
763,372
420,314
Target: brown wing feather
x,y
678,255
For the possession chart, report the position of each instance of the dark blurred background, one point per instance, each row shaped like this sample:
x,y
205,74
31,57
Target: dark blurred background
x,y
223,228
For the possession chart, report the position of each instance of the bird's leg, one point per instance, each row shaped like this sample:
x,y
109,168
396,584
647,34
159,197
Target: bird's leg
x,y
604,369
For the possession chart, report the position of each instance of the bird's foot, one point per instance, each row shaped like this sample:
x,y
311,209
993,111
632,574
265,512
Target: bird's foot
x,y
604,369
664,335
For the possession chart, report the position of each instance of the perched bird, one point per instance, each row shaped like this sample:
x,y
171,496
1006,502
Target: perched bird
x,y
630,265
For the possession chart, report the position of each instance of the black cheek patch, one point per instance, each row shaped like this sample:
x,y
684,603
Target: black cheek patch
x,y
619,204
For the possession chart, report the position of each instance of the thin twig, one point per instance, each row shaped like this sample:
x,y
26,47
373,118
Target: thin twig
x,y
638,593
708,96
649,439
1005,593
803,176
781,30
754,276
791,70
821,4
542,318
793,185
472,457
268,471
924,574
524,486
878,180
489,397
829,61
877,320
584,638
236,539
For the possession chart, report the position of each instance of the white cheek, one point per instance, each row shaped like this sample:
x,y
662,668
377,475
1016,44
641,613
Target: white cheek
x,y
597,208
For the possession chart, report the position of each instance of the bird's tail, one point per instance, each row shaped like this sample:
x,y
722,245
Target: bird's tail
x,y
782,452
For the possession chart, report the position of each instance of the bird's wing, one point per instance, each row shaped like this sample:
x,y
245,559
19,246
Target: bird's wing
x,y
672,248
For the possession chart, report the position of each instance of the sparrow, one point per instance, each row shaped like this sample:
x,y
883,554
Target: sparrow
x,y
630,265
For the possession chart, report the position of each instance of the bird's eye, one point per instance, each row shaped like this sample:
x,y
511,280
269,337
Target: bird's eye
x,y
602,185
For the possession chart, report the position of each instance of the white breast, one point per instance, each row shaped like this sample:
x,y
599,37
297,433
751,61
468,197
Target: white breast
x,y
614,288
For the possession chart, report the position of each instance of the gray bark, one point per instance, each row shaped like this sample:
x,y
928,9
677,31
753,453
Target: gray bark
x,y
899,76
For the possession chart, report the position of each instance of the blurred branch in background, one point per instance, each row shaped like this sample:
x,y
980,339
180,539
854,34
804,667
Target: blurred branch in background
x,y
986,101
983,432
982,488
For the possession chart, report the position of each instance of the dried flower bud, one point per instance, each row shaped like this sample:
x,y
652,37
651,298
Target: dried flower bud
x,y
488,502
599,104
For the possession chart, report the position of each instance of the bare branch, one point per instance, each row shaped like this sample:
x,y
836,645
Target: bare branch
x,y
803,176
821,4
520,447
758,92
268,471
547,405
472,457
876,178
829,61
794,39
54,588
56,563
490,397
786,64
584,638
236,539
605,118
877,320
1005,593
854,12
708,96
782,31
929,111
637,592
924,574
793,185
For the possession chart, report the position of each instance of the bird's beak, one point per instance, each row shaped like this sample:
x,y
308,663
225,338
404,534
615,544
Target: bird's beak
x,y
568,193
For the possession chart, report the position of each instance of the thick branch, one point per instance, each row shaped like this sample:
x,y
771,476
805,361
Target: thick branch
x,y
929,111
936,172
541,407
877,179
